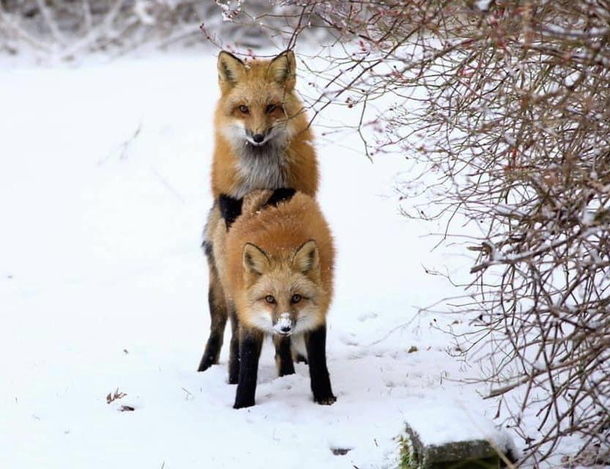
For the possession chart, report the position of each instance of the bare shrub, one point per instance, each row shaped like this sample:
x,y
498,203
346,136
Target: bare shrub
x,y
64,29
506,106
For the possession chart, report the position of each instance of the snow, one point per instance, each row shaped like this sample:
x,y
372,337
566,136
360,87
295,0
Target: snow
x,y
483,5
104,174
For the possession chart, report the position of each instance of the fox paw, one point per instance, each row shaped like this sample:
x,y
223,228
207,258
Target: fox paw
x,y
326,400
300,359
243,404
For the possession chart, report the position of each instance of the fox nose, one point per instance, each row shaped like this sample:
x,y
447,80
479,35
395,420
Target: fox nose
x,y
258,138
283,325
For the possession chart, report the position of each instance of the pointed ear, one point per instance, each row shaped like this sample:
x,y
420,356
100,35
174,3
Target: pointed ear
x,y
306,258
283,69
230,70
255,260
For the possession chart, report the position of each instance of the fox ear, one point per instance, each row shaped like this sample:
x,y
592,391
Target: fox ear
x,y
255,260
282,69
307,257
230,70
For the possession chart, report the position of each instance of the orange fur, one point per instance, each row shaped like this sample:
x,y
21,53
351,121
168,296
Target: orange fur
x,y
279,232
285,159
257,84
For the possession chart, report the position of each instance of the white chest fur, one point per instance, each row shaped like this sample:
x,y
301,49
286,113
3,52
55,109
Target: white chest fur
x,y
261,168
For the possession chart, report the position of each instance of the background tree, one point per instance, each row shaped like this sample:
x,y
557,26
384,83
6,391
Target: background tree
x,y
66,29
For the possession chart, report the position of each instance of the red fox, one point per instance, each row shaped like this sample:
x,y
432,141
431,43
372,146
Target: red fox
x,y
262,135
275,260
262,141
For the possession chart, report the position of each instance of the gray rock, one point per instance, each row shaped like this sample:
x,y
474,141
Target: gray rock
x,y
469,454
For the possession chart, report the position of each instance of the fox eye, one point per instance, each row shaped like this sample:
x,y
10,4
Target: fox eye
x,y
243,109
296,298
270,108
270,299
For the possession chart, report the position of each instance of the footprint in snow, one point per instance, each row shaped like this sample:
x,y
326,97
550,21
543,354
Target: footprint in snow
x,y
348,339
367,316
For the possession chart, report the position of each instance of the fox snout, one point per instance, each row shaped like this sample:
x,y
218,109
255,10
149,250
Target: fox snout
x,y
257,138
284,325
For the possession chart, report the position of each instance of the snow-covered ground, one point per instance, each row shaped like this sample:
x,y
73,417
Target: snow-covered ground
x,y
103,194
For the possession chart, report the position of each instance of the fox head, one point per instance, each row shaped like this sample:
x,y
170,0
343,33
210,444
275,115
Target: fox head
x,y
283,293
258,99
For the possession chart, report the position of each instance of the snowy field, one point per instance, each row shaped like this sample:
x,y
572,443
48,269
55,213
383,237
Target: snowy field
x,y
104,172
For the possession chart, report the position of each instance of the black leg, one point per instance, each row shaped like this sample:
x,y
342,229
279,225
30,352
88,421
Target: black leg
x,y
218,313
318,371
250,343
283,355
234,357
